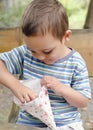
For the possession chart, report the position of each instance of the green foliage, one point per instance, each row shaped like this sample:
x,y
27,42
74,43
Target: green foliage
x,y
76,10
13,16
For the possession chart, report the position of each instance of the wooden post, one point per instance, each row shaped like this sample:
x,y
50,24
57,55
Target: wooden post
x,y
89,18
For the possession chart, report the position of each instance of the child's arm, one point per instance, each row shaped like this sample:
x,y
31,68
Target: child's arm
x,y
72,96
23,93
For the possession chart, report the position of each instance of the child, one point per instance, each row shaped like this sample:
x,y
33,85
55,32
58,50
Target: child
x,y
45,56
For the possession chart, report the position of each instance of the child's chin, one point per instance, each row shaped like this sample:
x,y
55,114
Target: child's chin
x,y
49,63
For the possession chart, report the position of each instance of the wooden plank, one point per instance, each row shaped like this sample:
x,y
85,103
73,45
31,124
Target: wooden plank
x,y
9,39
8,126
81,40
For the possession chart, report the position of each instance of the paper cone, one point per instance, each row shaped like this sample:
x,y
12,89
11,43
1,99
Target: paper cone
x,y
39,107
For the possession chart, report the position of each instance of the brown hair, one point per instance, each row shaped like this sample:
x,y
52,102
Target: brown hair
x,y
43,16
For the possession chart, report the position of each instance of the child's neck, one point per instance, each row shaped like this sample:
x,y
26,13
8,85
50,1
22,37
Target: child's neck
x,y
65,51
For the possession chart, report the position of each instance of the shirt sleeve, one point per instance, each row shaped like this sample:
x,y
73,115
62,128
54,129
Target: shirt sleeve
x,y
14,59
80,80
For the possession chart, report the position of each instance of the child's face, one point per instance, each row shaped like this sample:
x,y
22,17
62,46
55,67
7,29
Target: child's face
x,y
45,48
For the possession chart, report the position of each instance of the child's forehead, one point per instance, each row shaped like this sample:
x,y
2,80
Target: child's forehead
x,y
41,38
41,42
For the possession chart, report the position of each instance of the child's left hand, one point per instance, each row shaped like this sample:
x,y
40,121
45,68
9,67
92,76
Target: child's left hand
x,y
51,83
72,96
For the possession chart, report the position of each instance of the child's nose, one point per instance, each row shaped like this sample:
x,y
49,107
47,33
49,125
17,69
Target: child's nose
x,y
41,57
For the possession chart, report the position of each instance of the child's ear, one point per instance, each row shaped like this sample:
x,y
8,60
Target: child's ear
x,y
67,35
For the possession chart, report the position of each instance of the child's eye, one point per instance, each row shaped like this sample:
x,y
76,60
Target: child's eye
x,y
33,51
47,52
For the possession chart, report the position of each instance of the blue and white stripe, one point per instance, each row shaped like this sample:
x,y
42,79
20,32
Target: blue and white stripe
x,y
71,70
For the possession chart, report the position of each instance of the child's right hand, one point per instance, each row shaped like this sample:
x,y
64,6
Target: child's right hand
x,y
24,94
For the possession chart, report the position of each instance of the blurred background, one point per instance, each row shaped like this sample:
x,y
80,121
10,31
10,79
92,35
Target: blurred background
x,y
11,12
80,13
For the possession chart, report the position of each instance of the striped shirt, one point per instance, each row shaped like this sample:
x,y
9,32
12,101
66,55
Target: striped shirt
x,y
70,70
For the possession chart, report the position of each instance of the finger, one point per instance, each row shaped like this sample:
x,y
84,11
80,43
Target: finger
x,y
48,86
43,82
44,78
27,98
22,100
33,95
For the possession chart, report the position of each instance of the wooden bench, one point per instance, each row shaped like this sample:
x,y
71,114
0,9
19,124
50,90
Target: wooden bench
x,y
81,40
8,126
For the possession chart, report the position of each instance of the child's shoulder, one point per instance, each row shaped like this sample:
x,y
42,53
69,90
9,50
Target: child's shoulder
x,y
78,58
77,55
23,48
